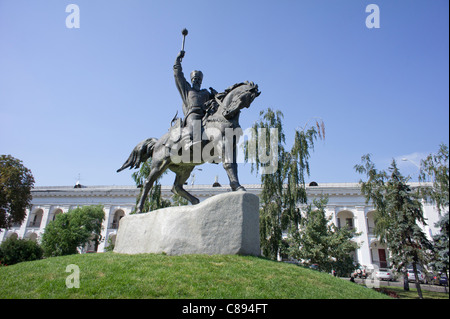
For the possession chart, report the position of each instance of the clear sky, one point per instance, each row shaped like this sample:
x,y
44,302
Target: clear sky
x,y
75,101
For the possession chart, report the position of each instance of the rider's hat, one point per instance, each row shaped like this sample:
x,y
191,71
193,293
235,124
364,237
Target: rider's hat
x,y
198,73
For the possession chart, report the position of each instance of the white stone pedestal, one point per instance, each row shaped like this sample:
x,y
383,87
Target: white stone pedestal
x,y
226,224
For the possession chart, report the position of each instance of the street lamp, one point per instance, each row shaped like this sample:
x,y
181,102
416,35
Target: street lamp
x,y
408,160
193,175
404,159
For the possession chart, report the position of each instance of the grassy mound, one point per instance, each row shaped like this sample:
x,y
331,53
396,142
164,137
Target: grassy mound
x,y
111,275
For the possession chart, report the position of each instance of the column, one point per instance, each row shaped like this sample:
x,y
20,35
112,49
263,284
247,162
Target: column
x,y
363,239
45,215
23,227
107,209
330,210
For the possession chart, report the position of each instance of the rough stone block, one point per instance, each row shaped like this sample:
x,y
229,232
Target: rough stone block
x,y
225,224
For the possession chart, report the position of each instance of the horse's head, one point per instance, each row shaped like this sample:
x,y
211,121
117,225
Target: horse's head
x,y
241,95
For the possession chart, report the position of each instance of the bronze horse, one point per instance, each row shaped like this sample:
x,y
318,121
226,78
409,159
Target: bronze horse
x,y
220,124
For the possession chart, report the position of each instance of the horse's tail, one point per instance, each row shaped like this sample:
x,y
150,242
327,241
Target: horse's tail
x,y
140,154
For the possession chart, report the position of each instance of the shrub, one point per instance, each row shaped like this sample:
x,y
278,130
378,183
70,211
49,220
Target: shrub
x,y
73,230
13,251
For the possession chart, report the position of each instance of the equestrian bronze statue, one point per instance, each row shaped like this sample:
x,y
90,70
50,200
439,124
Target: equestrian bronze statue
x,y
208,133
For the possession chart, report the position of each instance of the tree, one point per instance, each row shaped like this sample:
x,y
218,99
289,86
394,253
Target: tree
x,y
435,167
16,182
73,230
177,200
154,199
320,242
282,176
398,213
441,247
271,204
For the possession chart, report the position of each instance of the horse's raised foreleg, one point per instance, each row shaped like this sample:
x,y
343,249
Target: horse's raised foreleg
x,y
182,174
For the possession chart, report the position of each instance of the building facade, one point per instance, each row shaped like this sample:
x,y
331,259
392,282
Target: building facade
x,y
346,206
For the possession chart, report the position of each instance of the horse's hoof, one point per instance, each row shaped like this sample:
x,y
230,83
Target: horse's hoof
x,y
237,187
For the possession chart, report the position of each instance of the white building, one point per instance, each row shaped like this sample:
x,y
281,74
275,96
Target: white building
x,y
346,206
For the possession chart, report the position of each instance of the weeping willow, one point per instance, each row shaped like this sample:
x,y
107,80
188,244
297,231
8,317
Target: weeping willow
x,y
283,189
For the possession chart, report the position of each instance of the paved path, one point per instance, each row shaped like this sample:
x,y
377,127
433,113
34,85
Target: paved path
x,y
411,285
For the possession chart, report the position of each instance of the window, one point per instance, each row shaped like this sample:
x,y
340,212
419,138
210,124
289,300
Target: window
x,y
117,217
349,222
36,218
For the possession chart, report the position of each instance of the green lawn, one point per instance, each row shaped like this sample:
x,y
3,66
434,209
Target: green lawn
x,y
111,275
412,293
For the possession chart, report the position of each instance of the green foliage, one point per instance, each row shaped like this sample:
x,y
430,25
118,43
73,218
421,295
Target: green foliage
x,y
13,251
398,213
110,245
73,230
435,166
271,198
441,247
16,182
283,189
177,200
320,242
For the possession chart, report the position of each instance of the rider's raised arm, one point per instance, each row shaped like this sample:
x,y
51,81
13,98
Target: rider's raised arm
x,y
183,86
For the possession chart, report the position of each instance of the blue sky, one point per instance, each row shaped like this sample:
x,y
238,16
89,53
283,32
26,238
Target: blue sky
x,y
74,102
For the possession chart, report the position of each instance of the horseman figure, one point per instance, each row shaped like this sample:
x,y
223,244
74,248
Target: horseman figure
x,y
194,100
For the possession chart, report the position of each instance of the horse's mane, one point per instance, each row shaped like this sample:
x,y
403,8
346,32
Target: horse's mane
x,y
212,105
222,95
